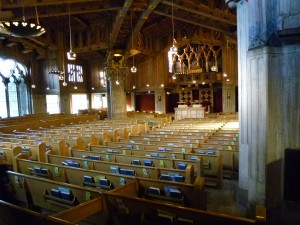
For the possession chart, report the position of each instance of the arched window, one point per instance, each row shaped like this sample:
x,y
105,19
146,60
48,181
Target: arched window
x,y
14,91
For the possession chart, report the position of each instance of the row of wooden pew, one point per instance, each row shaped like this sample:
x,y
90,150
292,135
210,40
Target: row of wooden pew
x,y
68,182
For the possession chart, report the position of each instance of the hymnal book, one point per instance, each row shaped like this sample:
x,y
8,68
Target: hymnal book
x,y
148,162
165,177
154,191
95,157
88,179
114,169
136,162
182,166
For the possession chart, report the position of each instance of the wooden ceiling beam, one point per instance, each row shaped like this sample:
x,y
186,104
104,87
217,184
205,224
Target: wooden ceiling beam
x,y
117,26
209,13
32,3
138,26
82,21
55,13
211,26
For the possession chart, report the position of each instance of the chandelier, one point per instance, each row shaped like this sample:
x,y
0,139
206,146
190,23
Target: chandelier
x,y
22,28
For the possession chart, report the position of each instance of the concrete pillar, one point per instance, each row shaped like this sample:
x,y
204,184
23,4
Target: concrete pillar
x,y
160,101
116,92
268,98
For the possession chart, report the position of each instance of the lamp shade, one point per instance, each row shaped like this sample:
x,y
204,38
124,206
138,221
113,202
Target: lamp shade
x,y
21,28
71,55
133,69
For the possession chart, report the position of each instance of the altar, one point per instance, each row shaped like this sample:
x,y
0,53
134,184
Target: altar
x,y
184,111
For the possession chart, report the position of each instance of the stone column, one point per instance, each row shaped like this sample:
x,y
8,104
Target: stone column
x,y
268,97
117,94
132,96
160,101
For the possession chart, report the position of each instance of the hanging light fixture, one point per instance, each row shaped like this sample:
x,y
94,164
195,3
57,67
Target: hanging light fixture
x,y
64,72
225,74
173,49
213,68
133,68
117,81
30,72
22,28
70,54
53,71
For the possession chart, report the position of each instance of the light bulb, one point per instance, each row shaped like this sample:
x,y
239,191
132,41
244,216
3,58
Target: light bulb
x,y
47,88
133,87
33,86
174,77
75,87
133,69
117,82
65,84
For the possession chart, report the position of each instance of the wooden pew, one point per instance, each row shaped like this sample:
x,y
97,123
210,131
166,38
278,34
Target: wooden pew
x,y
56,197
72,175
7,155
132,210
11,214
188,175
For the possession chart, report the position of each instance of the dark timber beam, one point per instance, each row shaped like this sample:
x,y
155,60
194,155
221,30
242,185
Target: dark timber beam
x,y
117,26
211,26
138,26
208,13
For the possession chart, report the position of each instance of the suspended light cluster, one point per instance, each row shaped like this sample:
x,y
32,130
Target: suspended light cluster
x,y
21,29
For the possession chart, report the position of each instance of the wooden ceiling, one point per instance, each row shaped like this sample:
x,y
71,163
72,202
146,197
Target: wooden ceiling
x,y
115,21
